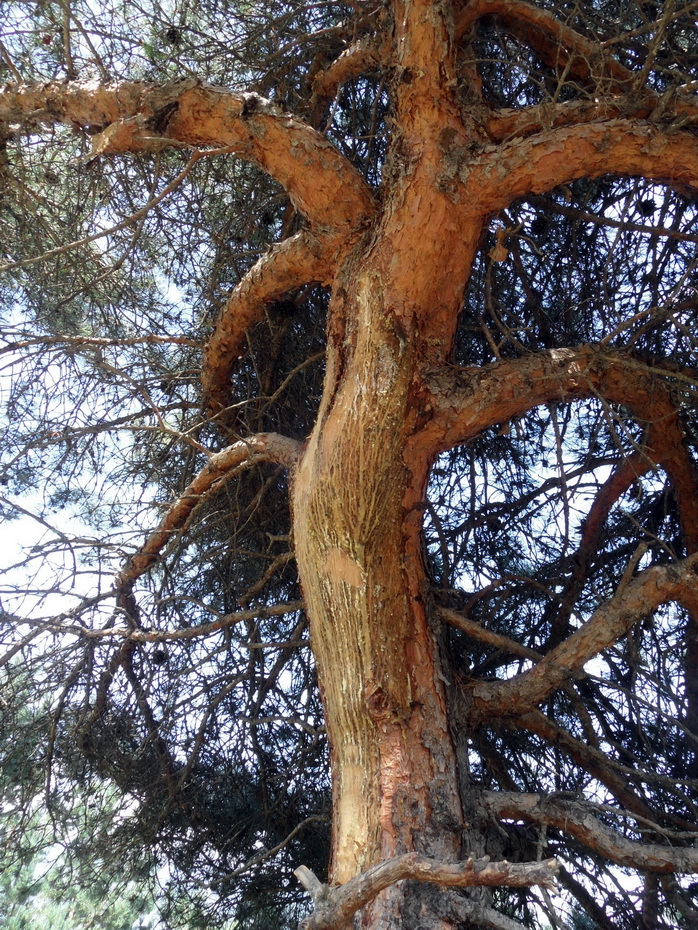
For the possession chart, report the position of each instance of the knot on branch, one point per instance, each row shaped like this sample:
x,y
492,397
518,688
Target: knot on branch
x,y
253,103
135,134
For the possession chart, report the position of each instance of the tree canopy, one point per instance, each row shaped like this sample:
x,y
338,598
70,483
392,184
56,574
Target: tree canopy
x,y
349,373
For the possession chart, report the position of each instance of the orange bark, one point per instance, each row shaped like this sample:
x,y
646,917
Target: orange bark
x,y
391,403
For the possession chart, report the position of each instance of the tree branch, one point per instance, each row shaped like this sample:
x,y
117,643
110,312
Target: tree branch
x,y
618,146
559,46
223,622
134,116
464,401
364,54
322,183
489,637
628,470
632,602
221,467
299,260
334,906
596,763
579,820
592,907
508,388
510,123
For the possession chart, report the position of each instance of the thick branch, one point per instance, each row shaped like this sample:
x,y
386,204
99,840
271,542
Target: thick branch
x,y
578,819
617,146
134,116
359,57
558,46
334,906
505,124
609,623
221,467
300,260
465,401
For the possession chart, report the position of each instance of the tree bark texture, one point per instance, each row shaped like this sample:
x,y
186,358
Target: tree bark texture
x,y
392,402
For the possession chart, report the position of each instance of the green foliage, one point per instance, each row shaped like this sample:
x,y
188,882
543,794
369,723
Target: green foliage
x,y
51,878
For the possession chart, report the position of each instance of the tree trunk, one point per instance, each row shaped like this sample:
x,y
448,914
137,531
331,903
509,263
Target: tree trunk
x,y
358,498
357,522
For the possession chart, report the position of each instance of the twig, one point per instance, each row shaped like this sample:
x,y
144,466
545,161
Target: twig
x,y
10,64
86,240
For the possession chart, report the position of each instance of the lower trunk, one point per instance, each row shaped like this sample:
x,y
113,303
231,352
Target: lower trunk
x,y
356,526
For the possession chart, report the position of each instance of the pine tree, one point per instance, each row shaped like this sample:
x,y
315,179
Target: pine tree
x,y
350,383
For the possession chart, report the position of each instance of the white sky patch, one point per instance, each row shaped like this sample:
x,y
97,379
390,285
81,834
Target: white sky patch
x,y
40,575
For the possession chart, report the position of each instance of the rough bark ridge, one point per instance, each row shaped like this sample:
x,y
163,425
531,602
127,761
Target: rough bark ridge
x,y
398,270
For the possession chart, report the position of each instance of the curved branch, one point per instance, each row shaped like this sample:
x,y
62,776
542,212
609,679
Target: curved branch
x,y
465,401
136,116
364,54
510,123
299,260
334,906
609,623
558,46
664,446
578,819
221,467
581,59
462,402
617,146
